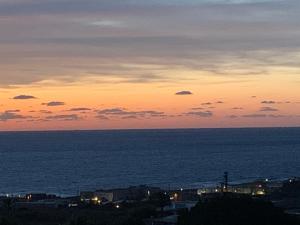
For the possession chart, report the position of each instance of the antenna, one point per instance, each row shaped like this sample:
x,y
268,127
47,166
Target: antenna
x,y
225,181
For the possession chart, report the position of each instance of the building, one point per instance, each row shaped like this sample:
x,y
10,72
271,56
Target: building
x,y
134,193
256,188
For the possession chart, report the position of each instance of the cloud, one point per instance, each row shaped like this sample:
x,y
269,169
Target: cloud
x,y
107,23
219,102
278,116
102,117
268,109
70,117
79,109
124,113
113,111
232,116
268,102
197,108
200,113
13,111
284,102
150,36
23,97
237,108
207,103
46,111
184,93
255,115
54,103
130,117
5,116
274,116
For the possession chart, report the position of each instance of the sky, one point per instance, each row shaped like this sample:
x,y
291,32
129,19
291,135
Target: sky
x,y
129,64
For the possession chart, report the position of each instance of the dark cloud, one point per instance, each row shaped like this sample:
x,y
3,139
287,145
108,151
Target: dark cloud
x,y
70,117
232,116
268,109
11,116
268,102
237,108
184,93
200,113
124,113
197,108
23,97
219,102
79,109
207,103
255,115
54,103
13,111
129,117
113,111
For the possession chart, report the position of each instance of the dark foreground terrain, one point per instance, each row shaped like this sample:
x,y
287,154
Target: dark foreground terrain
x,y
261,202
220,210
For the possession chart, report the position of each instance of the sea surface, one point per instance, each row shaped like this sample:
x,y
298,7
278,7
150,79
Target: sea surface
x,y
65,163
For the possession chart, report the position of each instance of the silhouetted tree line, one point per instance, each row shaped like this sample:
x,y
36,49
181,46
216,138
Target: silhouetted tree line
x,y
235,211
127,214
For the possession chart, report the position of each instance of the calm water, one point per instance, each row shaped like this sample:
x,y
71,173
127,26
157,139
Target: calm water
x,y
66,162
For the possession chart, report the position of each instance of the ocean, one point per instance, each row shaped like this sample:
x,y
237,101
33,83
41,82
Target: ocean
x,y
66,162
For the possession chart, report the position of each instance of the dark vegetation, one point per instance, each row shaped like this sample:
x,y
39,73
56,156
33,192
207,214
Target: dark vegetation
x,y
222,210
125,214
236,211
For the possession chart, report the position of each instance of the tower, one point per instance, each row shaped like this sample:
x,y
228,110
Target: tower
x,y
225,182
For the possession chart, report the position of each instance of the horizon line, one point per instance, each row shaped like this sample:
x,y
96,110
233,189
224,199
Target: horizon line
x,y
133,129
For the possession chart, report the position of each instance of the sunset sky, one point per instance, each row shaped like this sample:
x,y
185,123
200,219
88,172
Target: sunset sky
x,y
114,64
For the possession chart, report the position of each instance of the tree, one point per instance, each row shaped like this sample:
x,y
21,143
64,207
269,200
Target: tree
x,y
235,211
160,199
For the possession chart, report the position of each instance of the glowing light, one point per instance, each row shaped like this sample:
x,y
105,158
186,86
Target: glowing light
x,y
95,199
260,192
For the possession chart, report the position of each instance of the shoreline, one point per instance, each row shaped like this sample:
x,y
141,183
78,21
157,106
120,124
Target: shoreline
x,y
166,187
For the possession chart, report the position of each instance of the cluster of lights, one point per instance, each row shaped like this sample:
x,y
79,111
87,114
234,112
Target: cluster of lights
x,y
96,200
174,197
